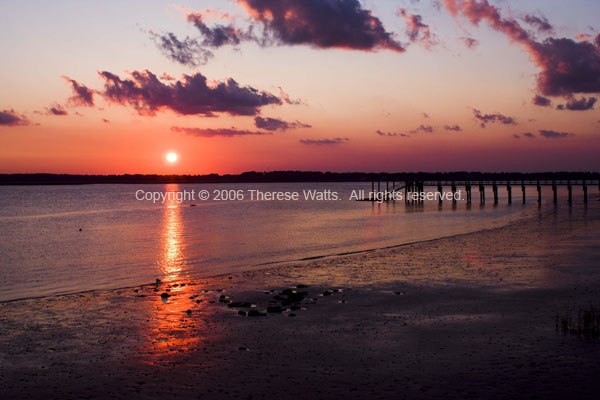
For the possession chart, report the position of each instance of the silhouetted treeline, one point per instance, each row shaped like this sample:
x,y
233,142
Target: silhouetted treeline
x,y
285,176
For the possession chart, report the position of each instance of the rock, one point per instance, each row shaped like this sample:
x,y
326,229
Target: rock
x,y
242,313
242,348
165,295
224,299
399,293
291,315
292,297
301,286
295,307
189,312
274,309
239,304
256,313
327,293
198,301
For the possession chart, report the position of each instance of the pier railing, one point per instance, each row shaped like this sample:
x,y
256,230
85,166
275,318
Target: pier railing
x,y
390,187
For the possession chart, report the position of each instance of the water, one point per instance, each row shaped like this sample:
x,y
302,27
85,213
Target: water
x,y
125,242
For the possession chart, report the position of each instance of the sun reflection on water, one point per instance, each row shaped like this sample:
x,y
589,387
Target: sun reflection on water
x,y
172,256
176,307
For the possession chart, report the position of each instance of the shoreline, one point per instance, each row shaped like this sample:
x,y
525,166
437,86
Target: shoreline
x,y
466,316
277,264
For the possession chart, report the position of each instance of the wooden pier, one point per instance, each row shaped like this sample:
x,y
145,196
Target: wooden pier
x,y
409,188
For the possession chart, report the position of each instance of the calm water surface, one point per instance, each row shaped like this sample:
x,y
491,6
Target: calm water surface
x,y
126,242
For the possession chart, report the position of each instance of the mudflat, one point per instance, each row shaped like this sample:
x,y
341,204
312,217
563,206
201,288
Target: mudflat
x,y
492,314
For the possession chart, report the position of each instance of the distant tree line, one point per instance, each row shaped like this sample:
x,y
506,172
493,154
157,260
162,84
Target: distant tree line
x,y
289,176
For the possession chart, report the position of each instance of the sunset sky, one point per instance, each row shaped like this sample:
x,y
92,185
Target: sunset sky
x,y
103,87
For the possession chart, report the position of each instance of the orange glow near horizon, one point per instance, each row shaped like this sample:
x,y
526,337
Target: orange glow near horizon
x,y
323,94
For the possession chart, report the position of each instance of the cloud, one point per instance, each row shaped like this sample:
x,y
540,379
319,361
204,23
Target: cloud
x,y
192,95
106,121
567,66
425,115
541,23
56,109
188,51
528,135
322,24
455,128
221,132
275,124
324,142
549,134
582,104
541,101
286,97
82,95
423,128
470,42
490,118
390,134
11,118
417,31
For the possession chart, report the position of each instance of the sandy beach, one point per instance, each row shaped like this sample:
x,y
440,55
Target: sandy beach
x,y
470,316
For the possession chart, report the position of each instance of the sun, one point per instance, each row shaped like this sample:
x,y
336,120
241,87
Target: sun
x,y
172,157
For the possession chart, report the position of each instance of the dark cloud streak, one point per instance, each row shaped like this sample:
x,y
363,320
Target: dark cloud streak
x,y
191,95
324,142
275,124
221,132
82,95
485,119
11,118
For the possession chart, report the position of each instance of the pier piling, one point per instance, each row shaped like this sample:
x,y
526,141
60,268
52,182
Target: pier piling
x,y
523,190
509,190
453,193
554,193
481,193
539,192
468,190
372,196
495,190
584,192
570,189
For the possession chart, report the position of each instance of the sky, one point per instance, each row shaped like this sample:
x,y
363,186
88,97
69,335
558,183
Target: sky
x,y
112,87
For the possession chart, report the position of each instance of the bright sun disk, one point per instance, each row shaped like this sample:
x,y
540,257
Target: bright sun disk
x,y
171,157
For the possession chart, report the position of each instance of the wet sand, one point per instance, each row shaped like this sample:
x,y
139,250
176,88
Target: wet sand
x,y
472,316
